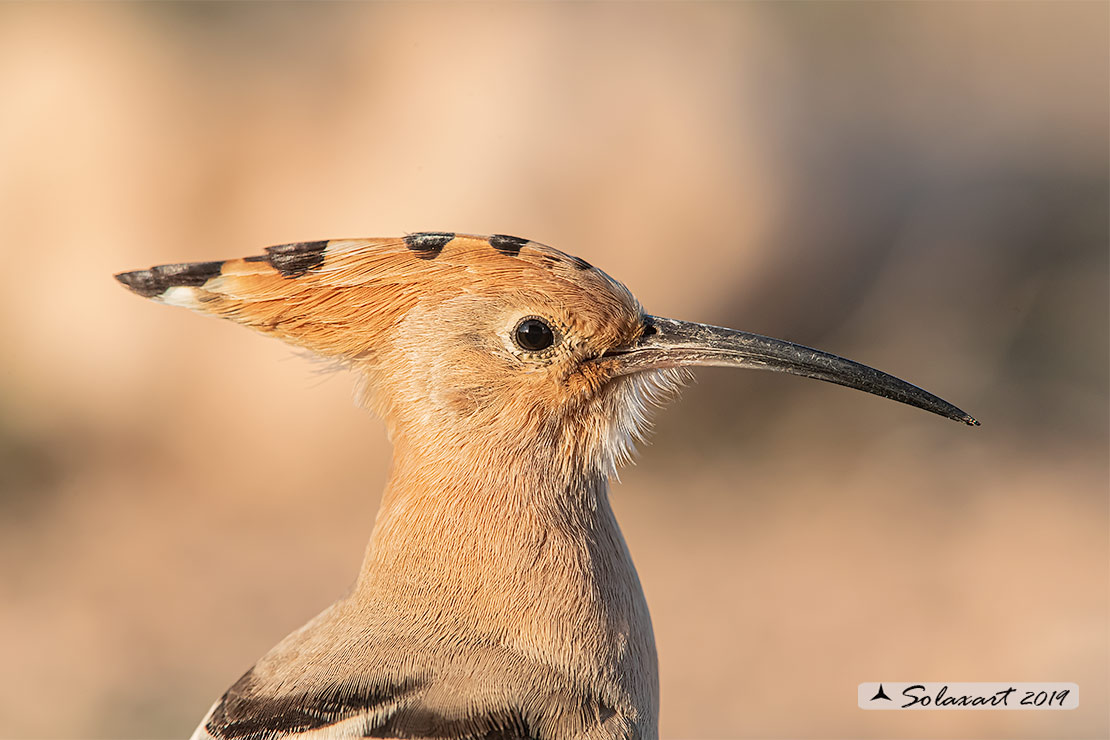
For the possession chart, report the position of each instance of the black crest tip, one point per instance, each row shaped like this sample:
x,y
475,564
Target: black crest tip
x,y
294,260
507,245
428,244
156,280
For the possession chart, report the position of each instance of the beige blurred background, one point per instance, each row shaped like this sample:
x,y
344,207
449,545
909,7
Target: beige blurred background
x,y
922,187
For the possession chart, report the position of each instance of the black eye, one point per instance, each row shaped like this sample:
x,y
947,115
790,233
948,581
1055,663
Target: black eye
x,y
533,335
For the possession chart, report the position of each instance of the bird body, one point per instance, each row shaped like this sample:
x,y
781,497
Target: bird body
x,y
497,598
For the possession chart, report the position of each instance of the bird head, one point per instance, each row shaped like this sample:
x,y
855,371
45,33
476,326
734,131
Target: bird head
x,y
494,345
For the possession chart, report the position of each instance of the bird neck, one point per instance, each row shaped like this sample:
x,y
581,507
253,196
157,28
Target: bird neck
x,y
518,549
449,507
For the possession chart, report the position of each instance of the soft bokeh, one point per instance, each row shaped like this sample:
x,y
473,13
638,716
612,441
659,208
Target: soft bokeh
x,y
922,187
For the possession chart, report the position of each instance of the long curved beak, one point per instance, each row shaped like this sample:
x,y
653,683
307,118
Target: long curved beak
x,y
668,343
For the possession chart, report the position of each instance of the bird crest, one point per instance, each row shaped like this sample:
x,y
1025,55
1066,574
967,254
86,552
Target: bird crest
x,y
337,297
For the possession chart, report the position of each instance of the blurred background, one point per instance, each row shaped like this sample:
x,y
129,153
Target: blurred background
x,y
922,187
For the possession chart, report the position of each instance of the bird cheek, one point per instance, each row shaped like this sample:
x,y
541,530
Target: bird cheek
x,y
588,379
463,403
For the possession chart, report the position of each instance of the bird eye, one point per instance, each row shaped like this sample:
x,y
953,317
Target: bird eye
x,y
533,335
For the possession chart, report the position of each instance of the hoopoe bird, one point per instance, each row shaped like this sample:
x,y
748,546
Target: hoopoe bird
x,y
497,599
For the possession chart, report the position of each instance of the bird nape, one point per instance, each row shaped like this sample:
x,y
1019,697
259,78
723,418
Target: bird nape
x,y
497,598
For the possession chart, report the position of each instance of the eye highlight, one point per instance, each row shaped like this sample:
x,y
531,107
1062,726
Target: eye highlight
x,y
533,334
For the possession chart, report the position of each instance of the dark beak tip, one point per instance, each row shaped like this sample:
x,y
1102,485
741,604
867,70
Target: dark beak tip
x,y
134,278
